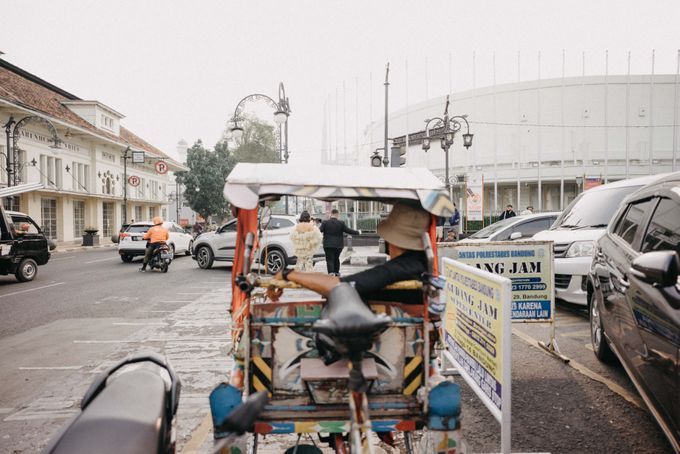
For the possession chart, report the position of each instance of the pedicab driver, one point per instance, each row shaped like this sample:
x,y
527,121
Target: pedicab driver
x,y
402,231
156,236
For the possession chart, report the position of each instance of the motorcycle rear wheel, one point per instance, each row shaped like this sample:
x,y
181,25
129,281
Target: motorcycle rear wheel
x,y
164,268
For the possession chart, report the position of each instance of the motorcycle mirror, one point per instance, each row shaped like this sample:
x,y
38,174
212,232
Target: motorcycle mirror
x,y
265,217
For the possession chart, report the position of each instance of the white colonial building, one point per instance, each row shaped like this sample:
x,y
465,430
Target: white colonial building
x,y
83,171
542,142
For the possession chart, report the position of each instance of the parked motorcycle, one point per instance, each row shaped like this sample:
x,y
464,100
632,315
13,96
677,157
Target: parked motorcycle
x,y
161,258
132,409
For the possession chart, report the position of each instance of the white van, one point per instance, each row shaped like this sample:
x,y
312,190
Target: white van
x,y
575,232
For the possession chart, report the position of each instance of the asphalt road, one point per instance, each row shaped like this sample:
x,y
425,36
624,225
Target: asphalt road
x,y
86,310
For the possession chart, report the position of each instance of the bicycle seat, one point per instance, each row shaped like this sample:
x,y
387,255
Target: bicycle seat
x,y
349,322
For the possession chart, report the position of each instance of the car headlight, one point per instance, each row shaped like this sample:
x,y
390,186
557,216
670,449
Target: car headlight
x,y
581,249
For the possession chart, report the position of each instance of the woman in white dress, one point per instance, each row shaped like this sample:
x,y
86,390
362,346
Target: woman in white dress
x,y
306,239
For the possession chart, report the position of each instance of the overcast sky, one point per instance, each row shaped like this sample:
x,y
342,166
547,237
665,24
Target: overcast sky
x,y
177,69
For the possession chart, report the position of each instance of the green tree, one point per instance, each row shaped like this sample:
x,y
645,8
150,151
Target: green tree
x,y
204,181
258,143
208,169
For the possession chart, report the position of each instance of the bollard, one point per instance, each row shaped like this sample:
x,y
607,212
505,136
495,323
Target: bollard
x,y
349,243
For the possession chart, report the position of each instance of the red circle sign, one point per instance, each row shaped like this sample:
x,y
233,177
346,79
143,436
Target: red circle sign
x,y
133,180
161,167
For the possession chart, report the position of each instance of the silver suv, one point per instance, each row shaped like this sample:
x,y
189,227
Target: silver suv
x,y
275,249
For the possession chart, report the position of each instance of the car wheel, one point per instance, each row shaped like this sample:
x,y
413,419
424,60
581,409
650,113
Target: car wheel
x,y
597,337
27,270
204,257
189,248
275,260
172,251
127,258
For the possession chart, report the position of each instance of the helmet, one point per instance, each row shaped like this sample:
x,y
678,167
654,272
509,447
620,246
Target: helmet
x,y
157,220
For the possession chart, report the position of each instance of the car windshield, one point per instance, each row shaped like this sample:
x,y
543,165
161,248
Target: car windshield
x,y
138,228
592,209
488,231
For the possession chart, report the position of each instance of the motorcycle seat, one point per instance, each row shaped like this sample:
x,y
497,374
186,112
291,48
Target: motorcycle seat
x,y
349,321
127,416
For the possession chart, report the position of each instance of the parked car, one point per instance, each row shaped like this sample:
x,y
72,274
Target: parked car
x,y
574,234
132,244
276,249
23,246
516,228
634,297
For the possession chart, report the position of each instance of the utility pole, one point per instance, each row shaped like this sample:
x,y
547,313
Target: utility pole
x,y
125,185
386,160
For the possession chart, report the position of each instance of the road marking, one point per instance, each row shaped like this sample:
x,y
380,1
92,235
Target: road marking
x,y
51,368
617,389
195,293
169,312
589,347
62,258
32,289
102,260
198,436
175,301
126,341
139,324
579,333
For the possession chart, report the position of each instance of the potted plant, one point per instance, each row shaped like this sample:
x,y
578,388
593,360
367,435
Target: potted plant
x,y
90,237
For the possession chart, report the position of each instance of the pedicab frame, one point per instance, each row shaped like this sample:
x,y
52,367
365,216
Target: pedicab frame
x,y
258,329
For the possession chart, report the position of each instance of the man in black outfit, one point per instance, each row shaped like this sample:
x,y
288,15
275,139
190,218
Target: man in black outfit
x,y
333,231
508,213
402,231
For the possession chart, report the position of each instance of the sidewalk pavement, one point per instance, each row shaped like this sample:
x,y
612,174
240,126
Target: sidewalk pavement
x,y
75,246
362,256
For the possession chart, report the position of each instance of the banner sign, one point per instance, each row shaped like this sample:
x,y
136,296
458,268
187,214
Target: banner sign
x,y
475,197
528,264
478,333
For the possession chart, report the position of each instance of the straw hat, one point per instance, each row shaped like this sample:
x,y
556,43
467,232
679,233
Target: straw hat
x,y
157,220
405,226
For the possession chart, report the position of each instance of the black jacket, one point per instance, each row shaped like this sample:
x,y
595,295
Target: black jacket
x,y
333,230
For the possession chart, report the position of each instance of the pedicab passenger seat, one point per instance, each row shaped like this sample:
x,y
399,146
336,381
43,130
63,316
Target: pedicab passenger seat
x,y
349,321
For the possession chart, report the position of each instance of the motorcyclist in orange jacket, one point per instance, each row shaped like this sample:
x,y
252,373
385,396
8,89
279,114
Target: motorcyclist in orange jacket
x,y
156,236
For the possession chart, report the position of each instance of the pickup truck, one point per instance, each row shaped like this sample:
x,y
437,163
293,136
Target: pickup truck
x,y
23,246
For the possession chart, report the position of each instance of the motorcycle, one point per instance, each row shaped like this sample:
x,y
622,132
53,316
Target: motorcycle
x,y
132,408
161,258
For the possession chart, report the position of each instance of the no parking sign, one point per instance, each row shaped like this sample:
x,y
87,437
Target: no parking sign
x,y
161,167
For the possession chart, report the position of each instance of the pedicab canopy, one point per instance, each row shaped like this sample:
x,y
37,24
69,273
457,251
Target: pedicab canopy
x,y
249,183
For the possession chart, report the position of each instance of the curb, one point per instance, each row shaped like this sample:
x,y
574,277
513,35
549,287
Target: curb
x,y
82,248
364,260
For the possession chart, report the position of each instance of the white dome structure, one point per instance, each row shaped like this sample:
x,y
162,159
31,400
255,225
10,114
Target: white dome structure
x,y
541,142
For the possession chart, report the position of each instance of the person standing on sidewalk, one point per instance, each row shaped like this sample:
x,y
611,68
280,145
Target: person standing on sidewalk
x,y
306,240
333,230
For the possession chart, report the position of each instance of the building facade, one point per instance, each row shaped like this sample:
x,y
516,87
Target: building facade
x,y
81,154
542,142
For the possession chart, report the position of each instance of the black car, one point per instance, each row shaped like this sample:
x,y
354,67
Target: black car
x,y
23,246
634,297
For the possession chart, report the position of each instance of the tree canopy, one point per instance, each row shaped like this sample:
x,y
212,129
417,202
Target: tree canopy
x,y
204,181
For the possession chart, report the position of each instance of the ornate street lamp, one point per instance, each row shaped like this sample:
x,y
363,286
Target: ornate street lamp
x,y
12,129
281,114
448,127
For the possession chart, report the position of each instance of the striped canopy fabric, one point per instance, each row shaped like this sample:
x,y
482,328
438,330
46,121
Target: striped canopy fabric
x,y
250,183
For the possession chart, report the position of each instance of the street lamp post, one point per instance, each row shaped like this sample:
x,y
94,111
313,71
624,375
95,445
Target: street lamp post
x,y
12,129
448,127
281,114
